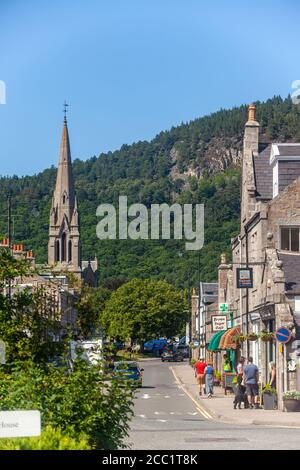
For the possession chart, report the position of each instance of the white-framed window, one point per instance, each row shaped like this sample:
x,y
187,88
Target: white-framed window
x,y
290,238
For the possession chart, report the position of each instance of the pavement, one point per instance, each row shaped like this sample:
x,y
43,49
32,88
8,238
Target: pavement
x,y
168,415
220,407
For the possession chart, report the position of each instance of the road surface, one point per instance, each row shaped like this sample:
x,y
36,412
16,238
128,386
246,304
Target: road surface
x,y
167,419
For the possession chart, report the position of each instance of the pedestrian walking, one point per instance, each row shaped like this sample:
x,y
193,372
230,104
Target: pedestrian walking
x,y
240,366
200,367
209,380
272,376
240,393
250,376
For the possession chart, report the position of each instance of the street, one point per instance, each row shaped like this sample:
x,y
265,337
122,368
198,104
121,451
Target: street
x,y
166,418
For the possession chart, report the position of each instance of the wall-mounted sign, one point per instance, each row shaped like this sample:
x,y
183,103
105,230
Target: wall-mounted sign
x,y
219,322
20,423
244,278
254,316
237,321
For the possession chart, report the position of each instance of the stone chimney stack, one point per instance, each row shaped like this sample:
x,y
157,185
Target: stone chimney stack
x,y
222,278
251,142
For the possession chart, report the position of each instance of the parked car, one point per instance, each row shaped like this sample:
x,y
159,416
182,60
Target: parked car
x,y
129,371
155,345
184,350
172,354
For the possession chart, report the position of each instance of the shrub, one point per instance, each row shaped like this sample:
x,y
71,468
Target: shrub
x,y
50,439
83,401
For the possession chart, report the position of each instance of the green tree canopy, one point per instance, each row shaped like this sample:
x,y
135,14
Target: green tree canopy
x,y
143,309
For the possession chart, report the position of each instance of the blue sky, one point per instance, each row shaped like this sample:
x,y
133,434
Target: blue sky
x,y
130,69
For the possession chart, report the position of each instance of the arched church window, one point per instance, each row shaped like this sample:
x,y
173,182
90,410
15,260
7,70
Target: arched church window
x,y
64,198
63,247
70,251
56,254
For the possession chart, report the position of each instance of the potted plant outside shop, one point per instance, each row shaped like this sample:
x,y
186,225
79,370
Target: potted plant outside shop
x,y
217,377
291,401
269,397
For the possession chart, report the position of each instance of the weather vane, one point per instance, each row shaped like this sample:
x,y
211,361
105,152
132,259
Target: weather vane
x,y
65,111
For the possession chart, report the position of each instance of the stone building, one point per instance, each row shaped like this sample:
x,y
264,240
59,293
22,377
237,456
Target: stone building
x,y
269,243
58,300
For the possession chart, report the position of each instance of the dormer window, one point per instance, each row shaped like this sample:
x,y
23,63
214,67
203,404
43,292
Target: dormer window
x,y
289,238
285,163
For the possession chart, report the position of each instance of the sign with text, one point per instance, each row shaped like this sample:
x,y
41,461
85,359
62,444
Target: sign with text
x,y
219,322
244,278
20,423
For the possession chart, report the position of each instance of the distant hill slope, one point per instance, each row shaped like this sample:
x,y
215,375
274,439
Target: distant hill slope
x,y
195,162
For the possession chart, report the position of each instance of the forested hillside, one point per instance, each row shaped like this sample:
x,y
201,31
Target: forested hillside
x,y
195,162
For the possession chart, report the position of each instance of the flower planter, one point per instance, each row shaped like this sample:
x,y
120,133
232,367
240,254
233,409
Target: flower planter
x,y
269,400
291,405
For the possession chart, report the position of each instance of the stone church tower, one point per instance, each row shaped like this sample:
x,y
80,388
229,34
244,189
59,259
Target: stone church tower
x,y
64,234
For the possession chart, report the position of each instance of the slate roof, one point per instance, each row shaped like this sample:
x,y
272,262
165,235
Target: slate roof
x,y
289,150
209,292
263,174
291,268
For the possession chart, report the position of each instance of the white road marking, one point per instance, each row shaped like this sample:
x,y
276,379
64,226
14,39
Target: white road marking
x,y
160,413
141,416
192,414
162,420
167,396
145,396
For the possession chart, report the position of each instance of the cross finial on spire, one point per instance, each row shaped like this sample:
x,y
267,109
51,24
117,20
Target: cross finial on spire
x,y
65,111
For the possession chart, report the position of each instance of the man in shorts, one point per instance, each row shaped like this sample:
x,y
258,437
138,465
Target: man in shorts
x,y
250,374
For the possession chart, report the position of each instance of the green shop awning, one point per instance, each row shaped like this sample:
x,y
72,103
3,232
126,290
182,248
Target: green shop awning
x,y
215,340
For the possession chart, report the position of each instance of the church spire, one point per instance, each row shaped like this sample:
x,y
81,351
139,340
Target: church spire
x,y
64,243
64,195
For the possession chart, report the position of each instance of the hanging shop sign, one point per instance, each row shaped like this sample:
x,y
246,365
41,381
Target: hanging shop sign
x,y
244,278
267,313
219,322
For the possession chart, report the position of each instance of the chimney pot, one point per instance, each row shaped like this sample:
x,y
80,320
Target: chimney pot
x,y
252,112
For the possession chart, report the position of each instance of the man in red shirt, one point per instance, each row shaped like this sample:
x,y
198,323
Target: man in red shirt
x,y
200,367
